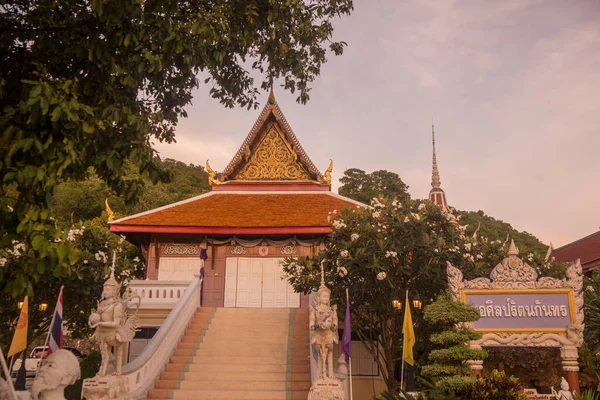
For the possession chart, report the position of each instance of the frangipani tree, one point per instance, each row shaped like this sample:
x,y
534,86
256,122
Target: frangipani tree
x,y
380,252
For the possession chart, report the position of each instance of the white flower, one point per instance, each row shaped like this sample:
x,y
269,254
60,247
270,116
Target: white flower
x,y
342,271
3,261
436,251
421,207
344,253
337,224
416,216
354,237
589,288
377,214
479,256
10,209
381,276
391,254
468,246
136,260
406,219
85,261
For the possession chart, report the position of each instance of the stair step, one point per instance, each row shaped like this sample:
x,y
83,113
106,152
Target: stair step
x,y
240,353
227,395
230,376
238,367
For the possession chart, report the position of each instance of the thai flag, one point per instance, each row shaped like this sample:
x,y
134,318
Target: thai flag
x,y
56,330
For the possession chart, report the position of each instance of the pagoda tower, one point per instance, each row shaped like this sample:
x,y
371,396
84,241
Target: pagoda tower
x,y
436,194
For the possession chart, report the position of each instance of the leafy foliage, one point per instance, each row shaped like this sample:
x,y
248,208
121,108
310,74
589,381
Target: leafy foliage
x,y
380,252
450,344
497,386
93,83
538,368
94,242
82,285
360,186
403,395
587,395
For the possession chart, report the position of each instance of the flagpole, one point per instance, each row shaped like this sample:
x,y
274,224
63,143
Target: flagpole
x,y
403,342
350,357
7,373
45,348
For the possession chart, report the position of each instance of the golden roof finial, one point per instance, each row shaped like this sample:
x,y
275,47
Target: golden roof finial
x,y
211,175
111,214
327,173
271,94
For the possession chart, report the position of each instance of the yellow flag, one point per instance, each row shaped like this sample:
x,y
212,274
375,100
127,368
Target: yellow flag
x,y
19,342
409,335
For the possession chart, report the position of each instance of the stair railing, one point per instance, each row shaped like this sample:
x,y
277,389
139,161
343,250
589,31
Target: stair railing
x,y
314,357
143,372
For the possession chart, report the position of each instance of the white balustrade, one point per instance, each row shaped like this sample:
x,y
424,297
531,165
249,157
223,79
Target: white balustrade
x,y
159,293
143,372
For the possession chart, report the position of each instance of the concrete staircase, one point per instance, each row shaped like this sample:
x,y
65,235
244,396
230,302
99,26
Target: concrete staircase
x,y
240,353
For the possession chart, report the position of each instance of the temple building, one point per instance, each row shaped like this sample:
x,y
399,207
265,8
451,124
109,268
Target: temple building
x,y
586,249
270,202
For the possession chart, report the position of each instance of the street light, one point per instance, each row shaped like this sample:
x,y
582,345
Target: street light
x,y
43,306
20,305
397,304
417,303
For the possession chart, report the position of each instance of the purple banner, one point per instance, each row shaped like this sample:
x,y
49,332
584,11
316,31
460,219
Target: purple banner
x,y
520,311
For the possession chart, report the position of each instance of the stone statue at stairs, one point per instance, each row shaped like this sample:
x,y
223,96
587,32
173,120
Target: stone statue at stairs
x,y
114,327
323,322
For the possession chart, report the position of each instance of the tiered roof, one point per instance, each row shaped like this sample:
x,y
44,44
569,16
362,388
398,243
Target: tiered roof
x,y
270,187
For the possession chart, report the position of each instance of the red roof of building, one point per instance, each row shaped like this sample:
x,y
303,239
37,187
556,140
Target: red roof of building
x,y
586,249
241,212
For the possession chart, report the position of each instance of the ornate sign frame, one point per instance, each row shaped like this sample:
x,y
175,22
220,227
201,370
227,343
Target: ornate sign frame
x,y
514,275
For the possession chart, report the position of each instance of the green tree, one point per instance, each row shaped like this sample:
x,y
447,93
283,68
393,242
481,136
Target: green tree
x,y
450,344
82,285
93,83
360,186
380,252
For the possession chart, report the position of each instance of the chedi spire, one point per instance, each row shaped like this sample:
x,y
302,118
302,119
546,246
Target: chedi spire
x,y
436,194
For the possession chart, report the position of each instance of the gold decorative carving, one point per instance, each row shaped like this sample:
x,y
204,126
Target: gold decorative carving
x,y
273,159
327,173
212,180
111,214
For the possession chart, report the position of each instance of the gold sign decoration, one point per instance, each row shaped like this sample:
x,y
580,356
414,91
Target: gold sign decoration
x,y
273,159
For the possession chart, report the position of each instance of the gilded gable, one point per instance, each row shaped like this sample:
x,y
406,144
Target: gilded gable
x,y
273,158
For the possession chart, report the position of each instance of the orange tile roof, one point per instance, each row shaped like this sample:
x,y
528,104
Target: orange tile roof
x,y
245,210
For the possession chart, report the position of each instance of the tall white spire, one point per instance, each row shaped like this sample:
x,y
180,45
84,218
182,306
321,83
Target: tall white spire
x,y
436,194
436,183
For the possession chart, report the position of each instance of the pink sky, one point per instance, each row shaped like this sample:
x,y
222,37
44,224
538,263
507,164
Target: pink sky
x,y
513,87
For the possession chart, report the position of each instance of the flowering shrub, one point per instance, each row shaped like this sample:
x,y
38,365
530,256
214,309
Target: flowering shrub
x,y
497,386
378,253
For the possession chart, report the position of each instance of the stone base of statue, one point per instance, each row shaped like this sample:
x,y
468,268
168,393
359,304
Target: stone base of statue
x,y
106,388
326,389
